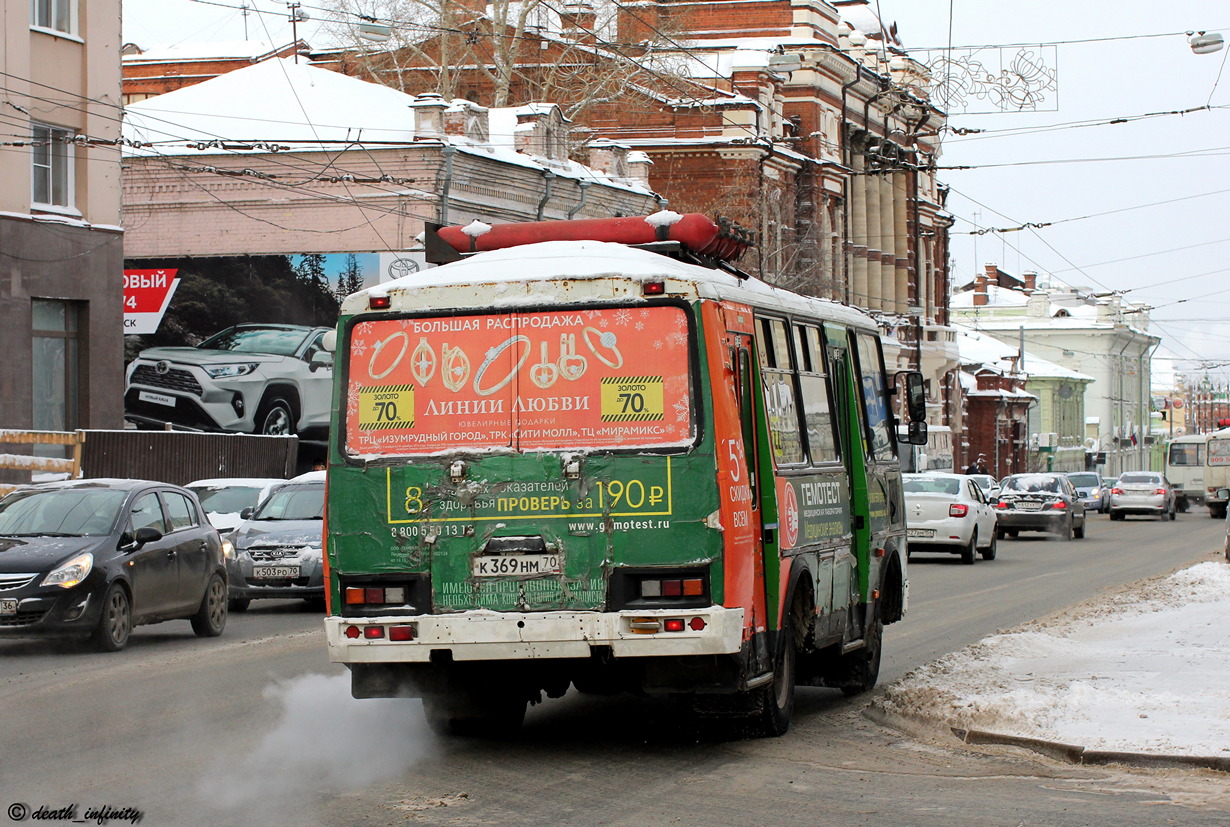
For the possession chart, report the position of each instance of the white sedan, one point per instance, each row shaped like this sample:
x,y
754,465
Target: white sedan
x,y
225,499
948,513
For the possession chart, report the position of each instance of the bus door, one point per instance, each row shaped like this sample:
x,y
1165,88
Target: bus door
x,y
745,393
853,452
885,516
730,358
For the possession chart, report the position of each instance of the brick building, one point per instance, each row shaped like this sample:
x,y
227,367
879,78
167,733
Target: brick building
x,y
996,418
150,72
775,113
280,158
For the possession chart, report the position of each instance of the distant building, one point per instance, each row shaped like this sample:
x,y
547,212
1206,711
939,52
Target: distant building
x,y
156,71
61,293
1055,422
280,157
1104,338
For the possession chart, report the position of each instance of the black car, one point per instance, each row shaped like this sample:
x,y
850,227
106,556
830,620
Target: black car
x,y
1039,502
94,558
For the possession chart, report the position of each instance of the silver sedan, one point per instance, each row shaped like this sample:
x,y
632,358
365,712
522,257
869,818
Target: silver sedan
x,y
1142,492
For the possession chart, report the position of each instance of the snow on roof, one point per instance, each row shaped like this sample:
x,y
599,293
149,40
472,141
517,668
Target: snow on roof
x,y
996,297
297,105
271,101
979,347
502,272
1002,394
210,50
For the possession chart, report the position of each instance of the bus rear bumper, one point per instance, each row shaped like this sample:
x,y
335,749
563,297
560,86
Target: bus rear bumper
x,y
483,635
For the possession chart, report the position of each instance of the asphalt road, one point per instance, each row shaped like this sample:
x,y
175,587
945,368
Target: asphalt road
x,y
256,727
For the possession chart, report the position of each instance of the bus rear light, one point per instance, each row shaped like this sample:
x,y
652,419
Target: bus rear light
x,y
697,624
653,288
373,632
644,626
673,624
379,302
692,587
958,510
353,632
401,633
375,595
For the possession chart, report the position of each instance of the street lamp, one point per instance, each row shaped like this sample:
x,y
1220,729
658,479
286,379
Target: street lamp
x,y
1205,43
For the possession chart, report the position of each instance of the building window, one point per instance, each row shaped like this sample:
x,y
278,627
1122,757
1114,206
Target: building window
x,y
52,165
57,15
56,366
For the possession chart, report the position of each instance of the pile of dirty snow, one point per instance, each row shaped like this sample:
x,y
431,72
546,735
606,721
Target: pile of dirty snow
x,y
1146,670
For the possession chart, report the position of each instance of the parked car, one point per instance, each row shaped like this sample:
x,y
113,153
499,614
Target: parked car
x,y
276,550
948,513
1089,486
224,499
1143,492
1040,502
250,378
94,558
988,484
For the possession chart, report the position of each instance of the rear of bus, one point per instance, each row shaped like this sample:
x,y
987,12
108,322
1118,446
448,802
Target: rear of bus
x,y
522,495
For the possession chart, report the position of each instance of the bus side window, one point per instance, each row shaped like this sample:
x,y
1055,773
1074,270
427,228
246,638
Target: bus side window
x,y
781,402
816,399
747,418
875,398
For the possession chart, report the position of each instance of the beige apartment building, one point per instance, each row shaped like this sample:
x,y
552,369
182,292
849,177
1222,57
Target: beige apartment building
x,y
61,256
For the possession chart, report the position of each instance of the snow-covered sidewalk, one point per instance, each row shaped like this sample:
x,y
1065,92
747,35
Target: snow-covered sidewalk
x,y
1145,672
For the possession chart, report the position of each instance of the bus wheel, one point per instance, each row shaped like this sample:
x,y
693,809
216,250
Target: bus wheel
x,y
463,713
858,671
777,698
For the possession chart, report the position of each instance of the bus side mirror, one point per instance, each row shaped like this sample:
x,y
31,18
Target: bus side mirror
x,y
915,396
916,433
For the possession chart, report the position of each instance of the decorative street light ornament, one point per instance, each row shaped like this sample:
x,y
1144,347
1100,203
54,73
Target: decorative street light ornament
x,y
375,32
993,79
1205,43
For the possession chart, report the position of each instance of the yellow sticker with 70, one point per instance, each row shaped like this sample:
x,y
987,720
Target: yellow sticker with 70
x,y
386,407
632,399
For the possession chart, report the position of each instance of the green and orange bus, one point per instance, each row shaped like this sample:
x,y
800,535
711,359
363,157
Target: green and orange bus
x,y
615,462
